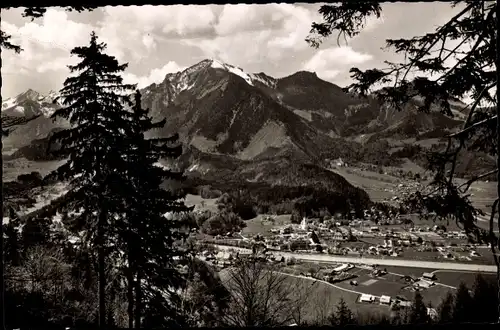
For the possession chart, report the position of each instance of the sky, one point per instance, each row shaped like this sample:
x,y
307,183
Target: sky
x,y
156,40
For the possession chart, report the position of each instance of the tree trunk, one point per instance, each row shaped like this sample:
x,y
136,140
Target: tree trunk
x,y
130,293
102,270
138,302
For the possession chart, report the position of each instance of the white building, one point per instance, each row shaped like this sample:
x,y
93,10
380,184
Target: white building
x,y
366,298
385,300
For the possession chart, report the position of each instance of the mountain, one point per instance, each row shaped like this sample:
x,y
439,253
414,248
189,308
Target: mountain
x,y
219,109
28,105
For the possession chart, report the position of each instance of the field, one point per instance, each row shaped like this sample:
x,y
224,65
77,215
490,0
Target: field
x,y
260,226
455,278
201,204
376,185
394,285
323,297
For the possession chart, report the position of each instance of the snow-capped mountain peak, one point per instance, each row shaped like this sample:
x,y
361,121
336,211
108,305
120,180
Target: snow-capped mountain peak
x,y
215,64
30,103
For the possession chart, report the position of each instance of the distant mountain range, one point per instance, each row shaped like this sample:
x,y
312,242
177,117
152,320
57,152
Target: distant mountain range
x,y
218,109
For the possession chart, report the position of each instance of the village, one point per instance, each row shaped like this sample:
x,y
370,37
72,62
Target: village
x,y
387,239
391,288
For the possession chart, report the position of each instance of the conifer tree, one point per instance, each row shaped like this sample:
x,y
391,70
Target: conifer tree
x,y
418,312
463,305
93,102
445,309
485,301
150,241
343,315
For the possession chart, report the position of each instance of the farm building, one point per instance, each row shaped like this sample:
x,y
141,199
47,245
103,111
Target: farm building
x,y
366,298
423,284
429,276
385,300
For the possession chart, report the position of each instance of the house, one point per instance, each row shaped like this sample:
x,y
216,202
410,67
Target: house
x,y
286,230
342,268
423,284
432,313
429,276
339,162
366,298
385,300
337,236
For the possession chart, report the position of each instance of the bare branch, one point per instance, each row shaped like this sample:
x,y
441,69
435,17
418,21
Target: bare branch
x,y
476,178
471,127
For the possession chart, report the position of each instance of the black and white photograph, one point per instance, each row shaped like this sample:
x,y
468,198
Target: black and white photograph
x,y
250,165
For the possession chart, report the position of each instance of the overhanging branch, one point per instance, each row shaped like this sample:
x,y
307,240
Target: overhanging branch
x,y
474,179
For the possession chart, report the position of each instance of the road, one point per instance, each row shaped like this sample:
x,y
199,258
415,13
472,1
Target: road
x,y
383,262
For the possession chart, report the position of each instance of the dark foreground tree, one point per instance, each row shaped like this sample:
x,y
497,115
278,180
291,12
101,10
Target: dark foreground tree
x,y
93,102
485,300
463,305
418,313
154,263
445,309
455,61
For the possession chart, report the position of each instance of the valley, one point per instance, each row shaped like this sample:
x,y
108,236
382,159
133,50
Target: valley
x,y
294,169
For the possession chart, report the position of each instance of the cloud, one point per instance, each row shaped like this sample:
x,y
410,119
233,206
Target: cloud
x,y
56,64
181,20
44,41
235,19
154,76
255,33
328,63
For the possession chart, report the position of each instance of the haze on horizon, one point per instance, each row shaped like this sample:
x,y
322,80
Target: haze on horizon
x,y
156,40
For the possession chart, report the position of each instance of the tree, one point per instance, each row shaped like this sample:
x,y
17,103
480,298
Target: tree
x,y
151,262
12,241
322,303
485,300
456,60
463,304
93,101
418,313
260,296
343,315
445,309
204,298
